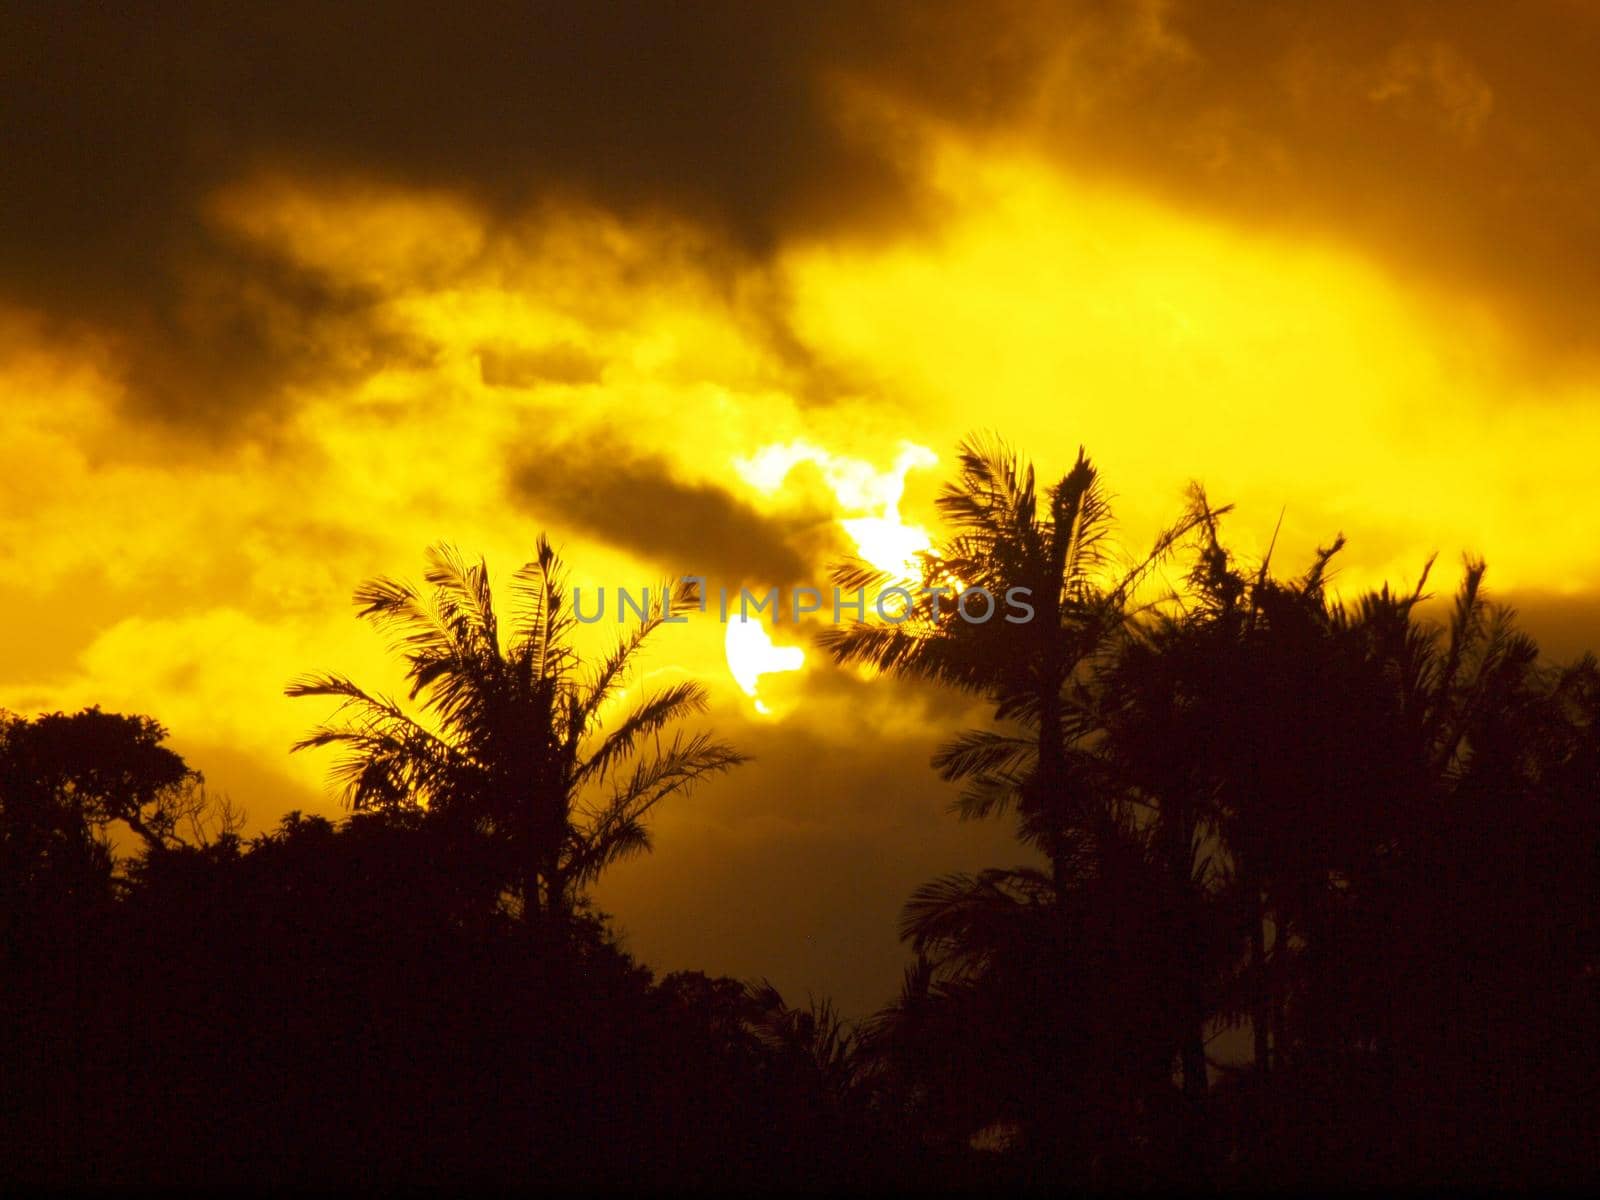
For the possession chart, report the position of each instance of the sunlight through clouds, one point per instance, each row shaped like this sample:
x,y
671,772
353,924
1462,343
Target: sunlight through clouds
x,y
752,654
1294,376
1287,374
869,499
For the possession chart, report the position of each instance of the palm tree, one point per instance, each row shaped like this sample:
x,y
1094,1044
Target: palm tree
x,y
1053,1016
1349,758
1093,945
815,1047
1366,834
515,750
1081,594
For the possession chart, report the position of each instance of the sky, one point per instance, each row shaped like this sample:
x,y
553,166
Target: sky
x,y
288,295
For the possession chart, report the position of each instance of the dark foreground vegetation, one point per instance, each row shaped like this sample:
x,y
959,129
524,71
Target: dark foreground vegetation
x,y
1360,846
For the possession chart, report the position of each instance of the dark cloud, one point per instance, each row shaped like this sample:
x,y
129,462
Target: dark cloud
x,y
1462,140
1458,141
118,121
637,501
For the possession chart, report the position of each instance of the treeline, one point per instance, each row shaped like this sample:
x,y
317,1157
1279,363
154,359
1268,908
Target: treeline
x,y
1364,842
350,1005
1310,897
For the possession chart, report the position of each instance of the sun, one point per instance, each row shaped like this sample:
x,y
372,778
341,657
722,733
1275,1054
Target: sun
x,y
752,654
868,498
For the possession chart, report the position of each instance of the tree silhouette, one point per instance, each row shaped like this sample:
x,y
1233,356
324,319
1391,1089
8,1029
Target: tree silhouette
x,y
1356,838
67,780
1004,938
516,751
1081,591
1321,820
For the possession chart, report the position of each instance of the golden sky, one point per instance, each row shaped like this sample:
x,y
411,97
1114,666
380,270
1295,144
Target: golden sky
x,y
282,305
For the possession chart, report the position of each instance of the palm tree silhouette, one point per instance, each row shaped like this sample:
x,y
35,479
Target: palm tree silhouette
x,y
1009,948
1248,801
1082,595
1356,771
516,750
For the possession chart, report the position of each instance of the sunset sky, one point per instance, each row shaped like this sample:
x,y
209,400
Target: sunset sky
x,y
289,294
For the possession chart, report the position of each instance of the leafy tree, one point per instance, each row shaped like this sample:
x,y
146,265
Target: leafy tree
x,y
66,781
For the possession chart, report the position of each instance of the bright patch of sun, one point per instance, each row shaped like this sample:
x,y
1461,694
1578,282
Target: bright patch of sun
x,y
868,497
751,654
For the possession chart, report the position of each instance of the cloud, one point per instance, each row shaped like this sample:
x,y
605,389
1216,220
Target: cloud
x,y
1422,132
425,252
1445,87
636,501
1454,144
1565,626
513,366
119,125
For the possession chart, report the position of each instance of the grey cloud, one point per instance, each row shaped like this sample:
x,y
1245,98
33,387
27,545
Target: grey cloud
x,y
638,502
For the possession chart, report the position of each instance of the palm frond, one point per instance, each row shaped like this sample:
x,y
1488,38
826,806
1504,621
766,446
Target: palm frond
x,y
463,595
1079,524
982,752
420,633
968,917
677,767
993,498
652,715
540,622
613,669
617,840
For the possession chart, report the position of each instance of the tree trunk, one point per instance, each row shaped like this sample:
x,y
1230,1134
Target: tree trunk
x,y
1051,780
1261,1016
1181,856
1194,1064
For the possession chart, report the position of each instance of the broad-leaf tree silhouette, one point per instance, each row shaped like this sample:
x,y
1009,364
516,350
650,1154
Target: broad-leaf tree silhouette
x,y
68,780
